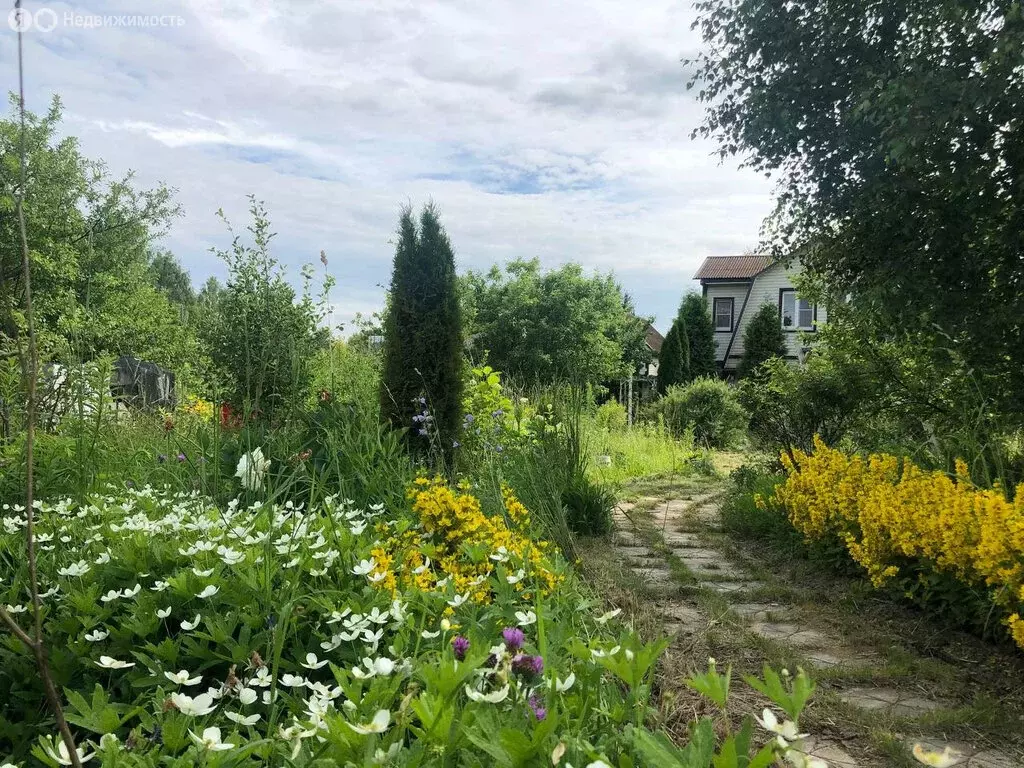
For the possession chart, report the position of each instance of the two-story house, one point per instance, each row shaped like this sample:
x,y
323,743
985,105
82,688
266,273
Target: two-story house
x,y
737,286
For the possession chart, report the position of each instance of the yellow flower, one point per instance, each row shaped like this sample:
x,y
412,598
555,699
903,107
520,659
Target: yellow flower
x,y
943,759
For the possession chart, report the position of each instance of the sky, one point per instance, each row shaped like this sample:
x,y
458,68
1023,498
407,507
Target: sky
x,y
556,130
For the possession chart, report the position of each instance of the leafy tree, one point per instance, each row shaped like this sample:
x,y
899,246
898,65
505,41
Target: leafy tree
x,y
554,325
168,276
695,323
262,338
673,361
89,238
423,336
895,131
762,340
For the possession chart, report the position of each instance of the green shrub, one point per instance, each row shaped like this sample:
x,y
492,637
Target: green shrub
x,y
741,515
707,407
688,351
673,368
762,340
260,338
611,416
588,506
788,406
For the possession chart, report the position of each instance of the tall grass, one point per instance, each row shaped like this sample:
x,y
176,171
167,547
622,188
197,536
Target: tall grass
x,y
642,450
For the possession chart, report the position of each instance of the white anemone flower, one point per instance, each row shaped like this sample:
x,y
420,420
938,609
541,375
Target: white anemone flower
x,y
608,616
312,662
59,752
598,764
188,626
241,719
561,686
208,592
364,567
96,635
458,600
182,677
516,577
195,707
494,697
108,662
786,729
800,759
292,681
16,608
251,469
75,569
262,679
379,724
163,613
133,591
247,696
112,595
202,574
526,618
426,634
211,740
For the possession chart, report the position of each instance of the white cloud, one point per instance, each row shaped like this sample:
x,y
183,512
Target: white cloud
x,y
557,130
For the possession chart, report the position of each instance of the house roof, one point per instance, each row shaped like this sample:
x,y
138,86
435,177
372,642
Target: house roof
x,y
733,267
654,339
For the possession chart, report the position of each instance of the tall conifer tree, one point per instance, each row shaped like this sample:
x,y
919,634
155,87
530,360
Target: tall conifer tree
x,y
421,384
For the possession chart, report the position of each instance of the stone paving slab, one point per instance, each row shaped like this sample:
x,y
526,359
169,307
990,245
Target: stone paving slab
x,y
830,751
967,756
697,553
715,571
760,611
682,539
655,576
792,634
889,700
729,587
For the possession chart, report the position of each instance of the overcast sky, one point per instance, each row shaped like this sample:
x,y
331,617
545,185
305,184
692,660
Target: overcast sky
x,y
559,130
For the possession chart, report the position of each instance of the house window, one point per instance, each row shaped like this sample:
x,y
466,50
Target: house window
x,y
797,314
722,310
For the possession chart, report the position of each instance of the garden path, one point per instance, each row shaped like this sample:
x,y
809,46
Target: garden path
x,y
674,546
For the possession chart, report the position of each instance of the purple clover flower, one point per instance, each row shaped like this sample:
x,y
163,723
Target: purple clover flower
x,y
460,645
538,709
181,457
528,666
513,637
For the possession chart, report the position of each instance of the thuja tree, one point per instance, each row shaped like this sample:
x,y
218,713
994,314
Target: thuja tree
x,y
762,340
695,323
673,361
421,384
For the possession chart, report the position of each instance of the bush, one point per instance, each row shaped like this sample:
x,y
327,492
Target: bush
x,y
706,407
788,406
743,516
588,506
260,338
939,539
611,416
762,340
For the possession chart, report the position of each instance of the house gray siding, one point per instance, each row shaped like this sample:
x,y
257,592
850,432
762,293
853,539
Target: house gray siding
x,y
765,289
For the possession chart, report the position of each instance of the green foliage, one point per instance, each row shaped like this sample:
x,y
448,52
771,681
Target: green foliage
x,y
696,326
762,340
588,505
788,405
423,336
89,238
688,351
560,325
673,360
743,516
864,135
611,415
705,408
260,338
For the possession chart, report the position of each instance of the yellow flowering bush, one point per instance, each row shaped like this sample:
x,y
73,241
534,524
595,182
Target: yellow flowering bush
x,y
456,543
198,407
886,509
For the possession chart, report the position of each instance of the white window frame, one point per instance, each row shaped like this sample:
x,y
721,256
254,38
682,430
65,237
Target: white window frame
x,y
798,309
732,313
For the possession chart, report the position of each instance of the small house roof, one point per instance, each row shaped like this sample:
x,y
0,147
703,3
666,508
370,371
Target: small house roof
x,y
733,267
654,339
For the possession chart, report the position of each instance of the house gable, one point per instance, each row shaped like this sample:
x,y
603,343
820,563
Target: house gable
x,y
747,294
